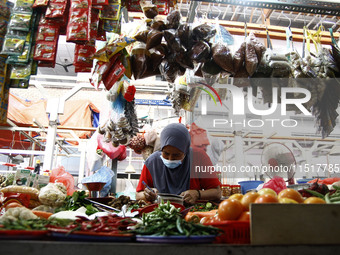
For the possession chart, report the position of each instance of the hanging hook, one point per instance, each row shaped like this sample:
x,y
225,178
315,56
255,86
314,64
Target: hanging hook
x,y
290,21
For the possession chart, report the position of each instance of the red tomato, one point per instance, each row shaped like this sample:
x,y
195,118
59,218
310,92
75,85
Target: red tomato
x,y
230,209
266,198
245,216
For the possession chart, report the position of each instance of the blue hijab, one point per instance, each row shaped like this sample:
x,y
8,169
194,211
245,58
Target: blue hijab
x,y
175,180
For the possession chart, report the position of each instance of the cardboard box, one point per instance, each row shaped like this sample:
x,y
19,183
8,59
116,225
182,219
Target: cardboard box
x,y
277,224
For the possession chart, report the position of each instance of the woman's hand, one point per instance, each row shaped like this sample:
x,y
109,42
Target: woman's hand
x,y
149,195
190,196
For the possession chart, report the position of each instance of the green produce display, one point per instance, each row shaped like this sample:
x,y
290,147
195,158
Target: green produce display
x,y
166,220
76,201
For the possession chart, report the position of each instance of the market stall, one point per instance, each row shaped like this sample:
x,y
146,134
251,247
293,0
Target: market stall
x,y
230,164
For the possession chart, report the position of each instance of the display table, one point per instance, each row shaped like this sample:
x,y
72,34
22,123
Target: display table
x,y
99,248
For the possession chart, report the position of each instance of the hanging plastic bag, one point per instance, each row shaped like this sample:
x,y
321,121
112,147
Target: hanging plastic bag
x,y
104,174
93,158
60,175
111,151
277,184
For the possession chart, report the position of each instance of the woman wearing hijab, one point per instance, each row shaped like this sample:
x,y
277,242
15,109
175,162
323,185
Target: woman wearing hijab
x,y
172,169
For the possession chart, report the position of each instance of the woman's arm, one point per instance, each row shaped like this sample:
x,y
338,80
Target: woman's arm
x,y
191,196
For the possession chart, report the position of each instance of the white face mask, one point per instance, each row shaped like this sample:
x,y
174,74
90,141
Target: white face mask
x,y
171,163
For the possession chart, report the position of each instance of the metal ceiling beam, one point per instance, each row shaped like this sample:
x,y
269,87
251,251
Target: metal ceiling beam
x,y
316,7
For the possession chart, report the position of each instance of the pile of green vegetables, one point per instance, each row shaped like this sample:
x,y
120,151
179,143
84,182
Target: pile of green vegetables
x,y
166,220
203,207
34,224
77,200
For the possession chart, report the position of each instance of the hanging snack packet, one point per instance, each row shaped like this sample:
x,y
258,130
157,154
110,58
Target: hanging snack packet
x,y
101,34
20,21
239,57
47,33
150,10
111,11
142,36
78,28
83,55
112,26
23,6
44,51
40,3
204,32
200,52
13,45
153,39
21,72
113,48
173,19
100,3
55,10
114,74
223,57
250,57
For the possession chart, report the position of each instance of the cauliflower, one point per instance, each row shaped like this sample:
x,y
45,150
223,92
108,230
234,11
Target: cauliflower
x,y
17,213
53,194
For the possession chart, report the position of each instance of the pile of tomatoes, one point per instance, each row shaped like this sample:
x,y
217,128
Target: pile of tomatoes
x,y
236,207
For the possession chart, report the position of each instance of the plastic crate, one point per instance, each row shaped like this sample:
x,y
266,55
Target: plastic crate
x,y
235,232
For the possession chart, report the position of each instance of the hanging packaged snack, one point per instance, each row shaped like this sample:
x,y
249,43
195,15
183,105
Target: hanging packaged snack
x,y
45,51
82,69
173,19
134,6
142,35
79,23
47,33
200,52
150,10
83,55
23,6
239,57
111,11
100,3
114,74
162,6
40,3
112,26
21,72
153,39
101,70
55,10
204,32
223,57
5,11
250,57
101,33
13,45
158,24
112,48
20,21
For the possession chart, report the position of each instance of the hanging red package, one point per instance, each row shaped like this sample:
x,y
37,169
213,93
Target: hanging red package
x,y
101,34
130,93
40,3
78,28
100,2
55,10
83,55
45,51
115,73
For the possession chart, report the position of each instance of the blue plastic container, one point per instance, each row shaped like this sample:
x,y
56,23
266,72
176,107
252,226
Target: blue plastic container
x,y
248,185
300,181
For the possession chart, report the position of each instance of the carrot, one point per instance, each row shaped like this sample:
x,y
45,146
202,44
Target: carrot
x,y
189,215
42,214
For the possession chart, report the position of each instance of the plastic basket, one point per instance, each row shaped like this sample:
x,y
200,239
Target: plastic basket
x,y
248,185
235,232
